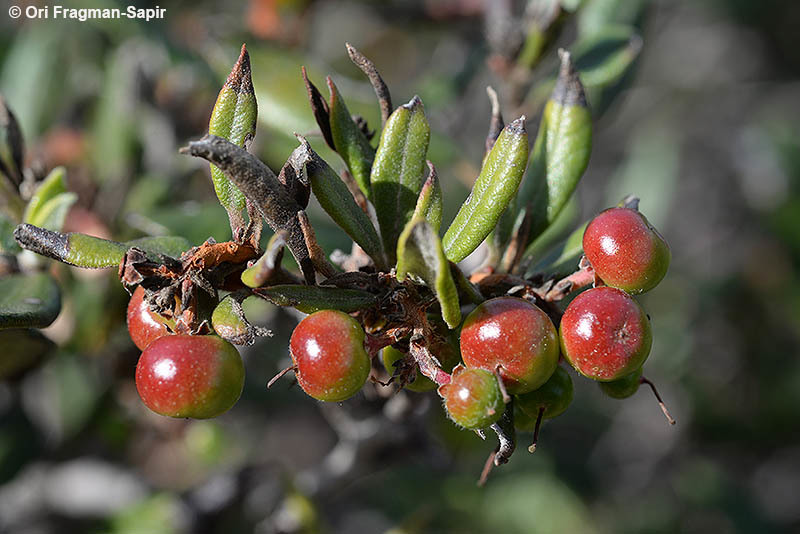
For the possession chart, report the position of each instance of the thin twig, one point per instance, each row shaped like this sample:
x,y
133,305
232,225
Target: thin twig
x,y
280,375
661,404
539,416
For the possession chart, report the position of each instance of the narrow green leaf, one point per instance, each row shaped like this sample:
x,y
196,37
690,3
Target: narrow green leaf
x,y
50,187
234,118
562,226
51,215
309,299
397,173
90,252
560,153
349,141
561,259
604,57
266,266
338,202
420,253
429,203
493,190
28,300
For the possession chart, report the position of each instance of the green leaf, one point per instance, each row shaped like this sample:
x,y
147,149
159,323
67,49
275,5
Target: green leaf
x,y
268,264
493,190
309,299
397,173
349,141
90,252
234,118
561,259
29,300
560,153
560,229
420,253
52,214
338,202
604,57
52,186
429,203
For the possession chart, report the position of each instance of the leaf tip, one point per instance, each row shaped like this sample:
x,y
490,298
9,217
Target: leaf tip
x,y
517,126
569,89
240,79
414,104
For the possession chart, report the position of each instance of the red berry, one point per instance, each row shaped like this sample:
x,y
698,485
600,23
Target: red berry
x,y
514,334
625,250
605,334
144,326
327,348
190,376
473,398
553,397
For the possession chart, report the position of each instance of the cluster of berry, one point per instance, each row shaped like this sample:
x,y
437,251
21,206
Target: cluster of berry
x,y
182,375
509,346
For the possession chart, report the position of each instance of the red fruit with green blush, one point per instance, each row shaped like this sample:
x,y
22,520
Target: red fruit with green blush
x,y
515,335
473,398
144,326
625,250
190,376
331,363
605,334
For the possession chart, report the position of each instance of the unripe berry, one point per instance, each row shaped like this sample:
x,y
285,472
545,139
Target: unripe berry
x,y
190,376
517,336
605,334
144,326
625,250
327,349
473,398
553,397
624,387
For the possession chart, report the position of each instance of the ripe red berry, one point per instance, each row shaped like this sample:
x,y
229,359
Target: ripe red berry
x,y
473,398
144,326
327,349
625,250
517,336
553,398
605,334
624,387
190,376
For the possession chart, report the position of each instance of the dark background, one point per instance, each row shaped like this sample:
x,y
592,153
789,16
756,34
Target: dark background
x,y
706,132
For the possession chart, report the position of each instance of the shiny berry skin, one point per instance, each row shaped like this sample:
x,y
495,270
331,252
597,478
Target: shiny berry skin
x,y
473,398
327,349
605,334
144,326
625,250
624,387
515,334
190,376
554,396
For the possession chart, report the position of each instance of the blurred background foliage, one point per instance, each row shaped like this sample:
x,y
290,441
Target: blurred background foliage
x,y
701,120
